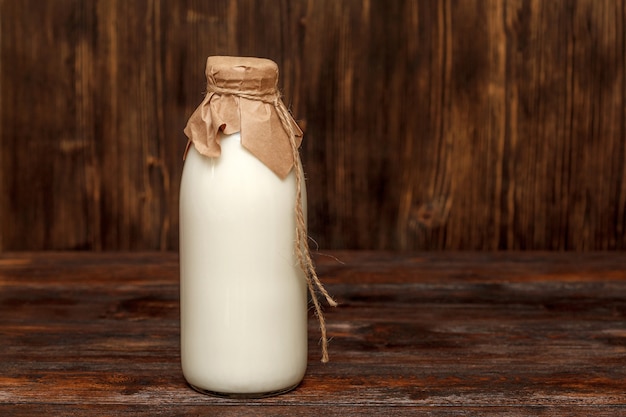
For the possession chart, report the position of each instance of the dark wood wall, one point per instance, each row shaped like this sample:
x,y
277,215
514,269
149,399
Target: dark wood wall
x,y
430,124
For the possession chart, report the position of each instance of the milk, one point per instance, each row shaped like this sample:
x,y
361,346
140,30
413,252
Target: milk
x,y
243,298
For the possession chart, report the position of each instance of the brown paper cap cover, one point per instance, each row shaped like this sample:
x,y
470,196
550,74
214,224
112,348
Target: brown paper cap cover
x,y
242,96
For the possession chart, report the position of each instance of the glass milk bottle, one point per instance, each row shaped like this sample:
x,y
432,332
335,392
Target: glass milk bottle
x,y
243,287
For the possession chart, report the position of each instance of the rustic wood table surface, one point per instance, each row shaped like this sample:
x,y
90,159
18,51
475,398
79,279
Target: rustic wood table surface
x,y
503,334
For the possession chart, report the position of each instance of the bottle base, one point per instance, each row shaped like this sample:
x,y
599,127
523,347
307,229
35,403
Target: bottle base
x,y
243,396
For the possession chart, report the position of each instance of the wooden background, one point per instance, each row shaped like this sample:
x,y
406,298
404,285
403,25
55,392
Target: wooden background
x,y
430,124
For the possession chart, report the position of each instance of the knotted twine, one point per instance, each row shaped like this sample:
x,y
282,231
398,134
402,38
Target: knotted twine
x,y
302,249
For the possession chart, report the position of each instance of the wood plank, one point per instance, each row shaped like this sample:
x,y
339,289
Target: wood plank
x,y
42,156
278,410
429,125
443,334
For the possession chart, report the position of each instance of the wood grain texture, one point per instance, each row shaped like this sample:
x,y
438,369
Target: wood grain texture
x,y
453,124
434,334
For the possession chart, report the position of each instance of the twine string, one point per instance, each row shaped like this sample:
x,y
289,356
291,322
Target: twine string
x,y
302,249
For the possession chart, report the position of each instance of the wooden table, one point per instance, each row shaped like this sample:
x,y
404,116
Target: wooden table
x,y
502,334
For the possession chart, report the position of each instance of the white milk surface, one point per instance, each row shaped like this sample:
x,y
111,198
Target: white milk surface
x,y
243,299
